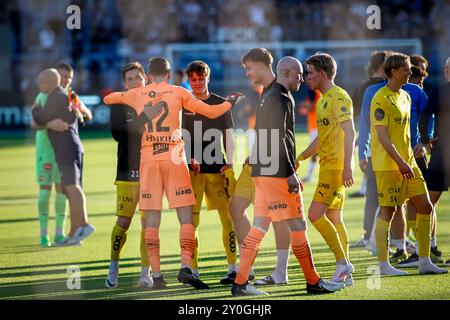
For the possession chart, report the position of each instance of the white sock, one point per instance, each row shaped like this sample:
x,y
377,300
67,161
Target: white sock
x,y
433,241
114,265
387,269
424,260
156,274
399,244
144,272
232,267
280,272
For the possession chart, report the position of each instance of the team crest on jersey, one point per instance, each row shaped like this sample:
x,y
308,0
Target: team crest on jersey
x,y
325,121
343,109
379,114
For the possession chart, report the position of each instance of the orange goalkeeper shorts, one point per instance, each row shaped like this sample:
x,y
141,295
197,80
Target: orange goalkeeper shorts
x,y
273,200
164,176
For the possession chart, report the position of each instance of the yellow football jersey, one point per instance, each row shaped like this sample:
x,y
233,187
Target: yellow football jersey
x,y
391,109
333,108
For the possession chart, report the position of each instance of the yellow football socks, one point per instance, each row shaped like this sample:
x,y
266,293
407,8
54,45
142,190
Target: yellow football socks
x,y
118,239
382,239
423,230
329,233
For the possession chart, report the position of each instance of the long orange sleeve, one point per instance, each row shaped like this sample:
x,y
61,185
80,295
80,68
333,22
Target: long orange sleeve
x,y
129,97
211,111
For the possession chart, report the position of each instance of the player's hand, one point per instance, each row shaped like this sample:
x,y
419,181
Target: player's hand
x,y
406,170
297,164
419,150
347,177
294,184
234,98
363,165
194,166
152,111
226,167
33,125
58,125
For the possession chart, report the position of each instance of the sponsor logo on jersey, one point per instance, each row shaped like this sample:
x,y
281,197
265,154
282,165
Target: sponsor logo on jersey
x,y
159,139
183,191
159,148
277,205
394,190
400,120
324,185
338,195
127,199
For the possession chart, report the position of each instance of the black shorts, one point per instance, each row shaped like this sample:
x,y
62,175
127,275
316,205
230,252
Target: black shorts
x,y
71,168
435,175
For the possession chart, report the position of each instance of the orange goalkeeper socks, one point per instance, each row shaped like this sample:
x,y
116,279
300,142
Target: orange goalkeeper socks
x,y
153,248
187,244
302,251
248,254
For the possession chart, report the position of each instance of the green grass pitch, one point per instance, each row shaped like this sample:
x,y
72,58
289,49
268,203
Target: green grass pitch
x,y
28,271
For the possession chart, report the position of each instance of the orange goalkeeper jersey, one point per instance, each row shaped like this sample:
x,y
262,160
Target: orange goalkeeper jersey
x,y
162,139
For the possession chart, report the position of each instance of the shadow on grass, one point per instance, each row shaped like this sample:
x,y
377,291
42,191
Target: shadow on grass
x,y
92,286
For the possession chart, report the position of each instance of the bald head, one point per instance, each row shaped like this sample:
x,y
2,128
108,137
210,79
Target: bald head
x,y
290,73
49,80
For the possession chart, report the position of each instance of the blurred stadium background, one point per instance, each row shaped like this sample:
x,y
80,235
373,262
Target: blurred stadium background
x,y
34,36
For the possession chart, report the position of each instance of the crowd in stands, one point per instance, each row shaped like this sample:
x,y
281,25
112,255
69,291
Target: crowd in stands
x,y
116,31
